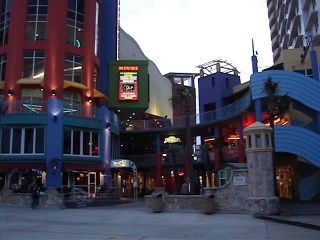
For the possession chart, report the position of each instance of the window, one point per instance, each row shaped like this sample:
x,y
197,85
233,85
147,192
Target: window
x,y
80,143
36,25
97,31
72,102
73,68
223,177
3,64
31,99
33,64
22,141
4,21
75,20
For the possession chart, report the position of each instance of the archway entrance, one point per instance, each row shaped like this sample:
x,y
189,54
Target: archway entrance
x,y
125,163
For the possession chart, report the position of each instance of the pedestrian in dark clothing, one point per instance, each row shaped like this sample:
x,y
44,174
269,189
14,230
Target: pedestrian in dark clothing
x,y
35,197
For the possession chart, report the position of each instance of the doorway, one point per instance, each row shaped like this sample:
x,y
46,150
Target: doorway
x,y
92,183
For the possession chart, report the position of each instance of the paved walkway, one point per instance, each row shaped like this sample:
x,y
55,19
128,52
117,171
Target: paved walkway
x,y
133,221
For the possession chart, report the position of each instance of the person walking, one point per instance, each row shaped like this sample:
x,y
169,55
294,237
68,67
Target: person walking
x,y
185,188
35,197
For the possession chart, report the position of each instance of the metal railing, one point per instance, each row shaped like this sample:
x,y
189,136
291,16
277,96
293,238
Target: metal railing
x,y
217,115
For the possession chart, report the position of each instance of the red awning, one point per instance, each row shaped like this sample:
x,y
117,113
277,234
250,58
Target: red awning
x,y
83,167
6,167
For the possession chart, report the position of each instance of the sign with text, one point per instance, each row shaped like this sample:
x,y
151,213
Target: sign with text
x,y
128,82
119,163
239,181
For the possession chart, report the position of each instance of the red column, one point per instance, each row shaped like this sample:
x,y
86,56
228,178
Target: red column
x,y
159,170
241,153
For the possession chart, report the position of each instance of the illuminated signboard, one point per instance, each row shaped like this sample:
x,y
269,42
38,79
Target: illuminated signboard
x,y
119,163
128,82
171,139
239,181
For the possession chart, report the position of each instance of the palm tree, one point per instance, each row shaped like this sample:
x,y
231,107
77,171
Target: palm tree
x,y
183,96
174,149
274,102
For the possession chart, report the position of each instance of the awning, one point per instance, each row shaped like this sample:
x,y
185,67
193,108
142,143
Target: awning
x,y
100,95
7,167
30,81
83,167
2,85
67,84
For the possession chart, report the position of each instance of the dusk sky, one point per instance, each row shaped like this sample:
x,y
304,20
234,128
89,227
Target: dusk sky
x,y
178,35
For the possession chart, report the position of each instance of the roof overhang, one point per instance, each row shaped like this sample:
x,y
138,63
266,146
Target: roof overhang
x,y
30,81
100,95
70,84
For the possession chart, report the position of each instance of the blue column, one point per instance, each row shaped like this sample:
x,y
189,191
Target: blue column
x,y
105,146
109,41
54,142
258,110
314,64
318,122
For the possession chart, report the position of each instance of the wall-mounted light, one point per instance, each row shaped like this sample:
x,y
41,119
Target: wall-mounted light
x,y
108,126
9,92
89,99
55,118
53,92
54,163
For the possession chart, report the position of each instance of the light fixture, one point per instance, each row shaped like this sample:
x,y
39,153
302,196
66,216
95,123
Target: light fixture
x,y
9,92
54,163
108,126
53,92
89,99
55,118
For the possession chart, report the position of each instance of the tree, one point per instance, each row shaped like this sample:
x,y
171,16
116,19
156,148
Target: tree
x,y
173,149
274,102
183,96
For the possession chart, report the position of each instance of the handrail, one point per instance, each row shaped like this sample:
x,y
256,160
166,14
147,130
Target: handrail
x,y
209,117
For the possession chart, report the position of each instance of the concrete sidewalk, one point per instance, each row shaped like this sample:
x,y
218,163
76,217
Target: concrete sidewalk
x,y
134,221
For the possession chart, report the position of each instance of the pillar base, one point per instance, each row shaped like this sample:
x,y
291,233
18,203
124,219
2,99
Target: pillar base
x,y
263,206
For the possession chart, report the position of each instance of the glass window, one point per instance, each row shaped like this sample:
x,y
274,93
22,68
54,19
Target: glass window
x,y
22,141
81,143
67,139
4,21
86,143
28,140
5,140
76,143
33,64
95,144
75,21
71,102
39,148
31,99
36,25
223,177
3,64
73,68
16,147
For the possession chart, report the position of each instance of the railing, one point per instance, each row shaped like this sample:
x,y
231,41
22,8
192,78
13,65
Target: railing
x,y
38,107
229,154
225,112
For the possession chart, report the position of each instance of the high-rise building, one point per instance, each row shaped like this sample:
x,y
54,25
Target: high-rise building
x,y
291,23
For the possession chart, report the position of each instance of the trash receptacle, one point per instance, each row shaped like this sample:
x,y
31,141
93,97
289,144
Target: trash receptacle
x,y
156,203
208,203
